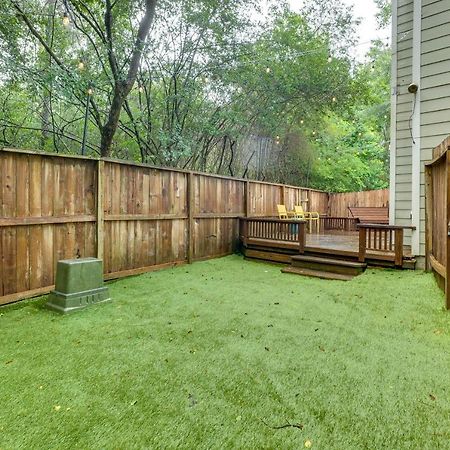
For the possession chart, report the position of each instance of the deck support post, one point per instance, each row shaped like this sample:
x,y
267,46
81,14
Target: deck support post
x,y
399,247
362,244
301,237
244,231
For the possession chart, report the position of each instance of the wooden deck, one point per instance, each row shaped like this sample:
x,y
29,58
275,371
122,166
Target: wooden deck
x,y
373,244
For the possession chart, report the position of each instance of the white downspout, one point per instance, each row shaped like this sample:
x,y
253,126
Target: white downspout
x,y
416,145
393,143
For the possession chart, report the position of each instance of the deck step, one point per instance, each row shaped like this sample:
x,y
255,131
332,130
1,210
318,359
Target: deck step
x,y
329,265
317,273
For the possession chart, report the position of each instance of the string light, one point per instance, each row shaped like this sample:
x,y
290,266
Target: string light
x,y
141,88
90,91
330,58
372,69
65,19
80,64
302,121
206,79
268,70
334,99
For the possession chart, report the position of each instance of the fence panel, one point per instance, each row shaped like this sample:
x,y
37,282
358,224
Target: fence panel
x,y
437,194
340,202
47,214
219,202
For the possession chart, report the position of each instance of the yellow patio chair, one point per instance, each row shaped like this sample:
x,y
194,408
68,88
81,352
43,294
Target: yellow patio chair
x,y
311,216
282,212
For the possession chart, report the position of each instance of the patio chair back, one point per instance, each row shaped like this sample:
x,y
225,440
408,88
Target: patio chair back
x,y
298,212
282,212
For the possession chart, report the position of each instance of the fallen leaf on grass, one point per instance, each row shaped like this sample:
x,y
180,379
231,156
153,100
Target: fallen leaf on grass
x,y
432,397
192,401
321,349
308,444
267,348
56,407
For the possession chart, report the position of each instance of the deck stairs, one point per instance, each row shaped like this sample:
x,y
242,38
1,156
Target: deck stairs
x,y
326,268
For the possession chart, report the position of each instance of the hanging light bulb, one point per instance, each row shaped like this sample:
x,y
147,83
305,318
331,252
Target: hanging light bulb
x,y
90,91
330,58
334,99
80,64
314,133
278,138
372,69
302,121
206,79
141,88
267,69
65,19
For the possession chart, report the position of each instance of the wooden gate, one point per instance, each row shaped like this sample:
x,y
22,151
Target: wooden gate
x,y
437,194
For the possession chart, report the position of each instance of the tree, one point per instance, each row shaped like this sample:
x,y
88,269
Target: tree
x,y
96,20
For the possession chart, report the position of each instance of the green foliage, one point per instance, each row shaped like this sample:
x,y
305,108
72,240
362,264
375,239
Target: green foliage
x,y
213,73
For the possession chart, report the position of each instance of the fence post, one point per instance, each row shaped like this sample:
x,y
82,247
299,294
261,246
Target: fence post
x,y
244,222
362,244
399,247
100,208
283,195
247,198
190,207
447,258
301,237
428,216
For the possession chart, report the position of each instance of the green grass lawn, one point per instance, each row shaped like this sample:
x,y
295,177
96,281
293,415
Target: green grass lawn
x,y
215,354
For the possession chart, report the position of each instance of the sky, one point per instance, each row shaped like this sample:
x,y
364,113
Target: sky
x,y
366,10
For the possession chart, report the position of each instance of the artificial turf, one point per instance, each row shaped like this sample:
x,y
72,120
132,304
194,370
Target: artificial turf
x,y
220,353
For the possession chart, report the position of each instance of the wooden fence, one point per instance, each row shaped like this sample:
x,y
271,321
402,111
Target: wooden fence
x,y
339,203
135,217
437,220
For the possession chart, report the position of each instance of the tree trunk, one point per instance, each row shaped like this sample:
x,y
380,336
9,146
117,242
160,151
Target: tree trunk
x,y
123,87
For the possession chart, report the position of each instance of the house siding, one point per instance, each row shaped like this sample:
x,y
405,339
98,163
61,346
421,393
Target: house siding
x,y
403,149
434,98
435,88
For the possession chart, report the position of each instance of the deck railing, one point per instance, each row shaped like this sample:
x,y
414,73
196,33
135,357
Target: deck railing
x,y
338,223
289,231
384,239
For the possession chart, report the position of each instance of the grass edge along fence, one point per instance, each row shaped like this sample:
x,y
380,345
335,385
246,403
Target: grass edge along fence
x,y
136,217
